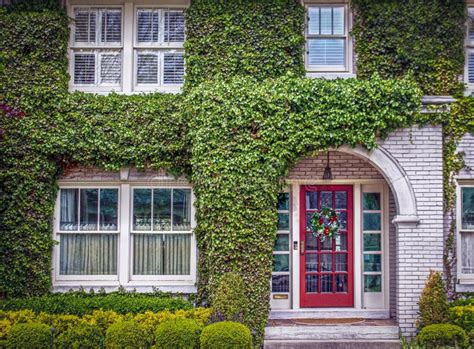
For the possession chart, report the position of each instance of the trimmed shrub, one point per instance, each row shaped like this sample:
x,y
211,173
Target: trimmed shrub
x,y
229,301
32,335
463,316
80,303
223,335
178,333
82,336
434,336
434,308
126,334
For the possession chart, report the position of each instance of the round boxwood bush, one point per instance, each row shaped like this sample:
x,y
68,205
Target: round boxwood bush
x,y
32,335
125,334
178,333
226,334
82,336
439,335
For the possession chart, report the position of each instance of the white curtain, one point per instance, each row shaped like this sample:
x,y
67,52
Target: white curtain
x,y
88,254
68,216
161,254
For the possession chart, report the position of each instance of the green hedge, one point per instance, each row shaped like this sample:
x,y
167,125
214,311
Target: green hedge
x,y
81,304
226,335
442,335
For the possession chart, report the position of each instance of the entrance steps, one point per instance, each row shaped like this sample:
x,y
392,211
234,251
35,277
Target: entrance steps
x,y
331,334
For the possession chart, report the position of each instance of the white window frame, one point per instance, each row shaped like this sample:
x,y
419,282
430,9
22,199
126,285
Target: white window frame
x,y
97,48
462,278
124,277
331,71
469,49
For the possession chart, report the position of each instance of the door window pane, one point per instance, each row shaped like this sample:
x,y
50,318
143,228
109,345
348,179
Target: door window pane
x,y
341,242
326,262
341,200
108,209
372,242
467,253
88,254
341,262
326,199
311,242
326,283
142,209
371,201
281,262
372,221
311,283
326,244
372,262
68,215
311,200
372,283
341,283
89,199
181,209
342,220
283,221
467,208
311,262
162,209
280,283
282,242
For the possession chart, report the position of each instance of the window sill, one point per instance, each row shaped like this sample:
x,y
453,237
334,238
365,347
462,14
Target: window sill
x,y
465,286
101,91
191,288
330,76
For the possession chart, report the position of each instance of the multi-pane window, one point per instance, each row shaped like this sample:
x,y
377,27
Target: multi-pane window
x,y
88,230
466,233
326,39
97,47
281,249
470,48
372,241
159,52
161,230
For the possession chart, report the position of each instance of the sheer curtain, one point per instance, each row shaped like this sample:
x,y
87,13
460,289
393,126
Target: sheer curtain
x,y
88,254
161,254
68,215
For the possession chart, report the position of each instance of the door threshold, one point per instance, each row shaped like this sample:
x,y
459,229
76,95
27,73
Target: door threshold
x,y
329,313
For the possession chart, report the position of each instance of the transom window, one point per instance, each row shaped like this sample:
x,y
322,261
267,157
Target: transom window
x,y
326,39
466,232
129,48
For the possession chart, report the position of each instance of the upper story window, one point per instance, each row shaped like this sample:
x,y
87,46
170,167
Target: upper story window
x,y
469,69
327,43
466,233
127,48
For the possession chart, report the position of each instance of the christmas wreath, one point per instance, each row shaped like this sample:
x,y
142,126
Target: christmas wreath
x,y
325,223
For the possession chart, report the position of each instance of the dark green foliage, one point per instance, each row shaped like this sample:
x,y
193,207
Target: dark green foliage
x,y
442,335
226,335
81,336
125,334
83,303
229,302
29,335
34,5
425,37
255,38
434,308
245,137
178,334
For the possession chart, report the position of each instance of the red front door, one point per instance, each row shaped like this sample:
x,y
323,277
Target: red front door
x,y
326,267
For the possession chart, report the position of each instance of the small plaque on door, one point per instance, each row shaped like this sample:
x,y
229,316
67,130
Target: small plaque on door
x,y
280,296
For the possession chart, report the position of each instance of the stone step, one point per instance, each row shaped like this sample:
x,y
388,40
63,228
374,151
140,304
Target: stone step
x,y
332,345
329,313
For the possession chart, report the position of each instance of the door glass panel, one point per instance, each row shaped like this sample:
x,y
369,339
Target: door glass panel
x,y
311,200
283,221
372,283
280,283
326,244
282,242
311,283
281,262
372,262
341,200
341,262
372,221
326,199
283,201
326,283
162,209
326,262
89,208
311,262
372,242
371,201
341,283
308,220
342,220
311,242
341,242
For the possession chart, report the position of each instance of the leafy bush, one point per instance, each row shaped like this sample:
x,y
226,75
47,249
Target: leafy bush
x,y
82,336
126,334
438,335
178,333
76,303
32,335
463,316
226,335
434,308
229,301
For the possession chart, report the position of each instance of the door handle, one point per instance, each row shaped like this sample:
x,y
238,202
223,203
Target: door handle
x,y
301,247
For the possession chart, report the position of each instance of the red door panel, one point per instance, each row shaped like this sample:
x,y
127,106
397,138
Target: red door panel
x,y
326,267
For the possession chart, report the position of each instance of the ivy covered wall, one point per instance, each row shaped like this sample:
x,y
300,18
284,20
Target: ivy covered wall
x,y
245,118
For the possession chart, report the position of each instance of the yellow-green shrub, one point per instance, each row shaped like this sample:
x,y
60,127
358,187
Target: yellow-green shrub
x,y
103,319
442,335
179,333
463,316
4,329
126,334
31,335
82,336
434,308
